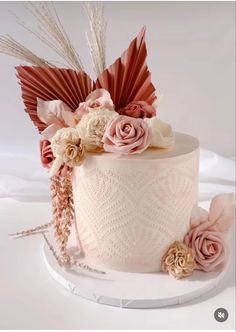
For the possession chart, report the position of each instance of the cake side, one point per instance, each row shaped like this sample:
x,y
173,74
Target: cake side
x,y
127,213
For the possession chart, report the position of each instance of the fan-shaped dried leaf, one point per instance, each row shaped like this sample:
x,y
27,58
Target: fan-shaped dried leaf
x,y
72,87
128,78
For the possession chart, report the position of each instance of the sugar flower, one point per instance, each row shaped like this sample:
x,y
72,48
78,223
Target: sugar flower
x,y
126,135
98,99
208,233
138,109
92,126
67,149
178,260
56,115
162,134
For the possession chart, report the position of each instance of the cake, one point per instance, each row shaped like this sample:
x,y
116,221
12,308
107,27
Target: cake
x,y
130,209
122,181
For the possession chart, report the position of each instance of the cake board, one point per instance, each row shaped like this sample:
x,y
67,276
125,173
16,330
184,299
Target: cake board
x,y
130,290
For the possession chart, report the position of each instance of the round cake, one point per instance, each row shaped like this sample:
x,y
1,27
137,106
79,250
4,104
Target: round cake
x,y
130,208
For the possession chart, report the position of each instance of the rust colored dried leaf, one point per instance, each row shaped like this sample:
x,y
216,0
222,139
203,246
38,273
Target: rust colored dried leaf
x,y
70,86
128,78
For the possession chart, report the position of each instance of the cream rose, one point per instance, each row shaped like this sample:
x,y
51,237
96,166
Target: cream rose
x,y
162,134
98,99
92,126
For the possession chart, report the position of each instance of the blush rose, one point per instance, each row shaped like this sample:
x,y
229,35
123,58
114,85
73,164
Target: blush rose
x,y
209,247
138,109
46,154
47,157
126,135
209,231
96,100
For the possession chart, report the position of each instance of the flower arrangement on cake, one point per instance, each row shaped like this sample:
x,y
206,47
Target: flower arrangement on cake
x,y
80,119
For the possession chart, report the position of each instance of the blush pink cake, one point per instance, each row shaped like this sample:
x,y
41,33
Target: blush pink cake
x,y
122,182
130,209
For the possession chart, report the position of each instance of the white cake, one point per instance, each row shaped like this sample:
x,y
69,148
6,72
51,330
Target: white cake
x,y
130,208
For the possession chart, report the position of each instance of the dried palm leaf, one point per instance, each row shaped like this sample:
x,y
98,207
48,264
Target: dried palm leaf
x,y
72,87
128,78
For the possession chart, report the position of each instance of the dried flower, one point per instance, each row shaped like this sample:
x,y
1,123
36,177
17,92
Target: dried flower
x,y
67,148
179,260
63,213
91,128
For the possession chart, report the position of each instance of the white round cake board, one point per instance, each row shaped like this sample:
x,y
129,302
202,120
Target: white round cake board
x,y
130,290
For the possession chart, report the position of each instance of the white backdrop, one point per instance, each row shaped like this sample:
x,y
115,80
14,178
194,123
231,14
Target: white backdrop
x,y
190,55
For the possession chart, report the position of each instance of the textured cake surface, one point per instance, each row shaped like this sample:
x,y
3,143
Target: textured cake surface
x,y
129,209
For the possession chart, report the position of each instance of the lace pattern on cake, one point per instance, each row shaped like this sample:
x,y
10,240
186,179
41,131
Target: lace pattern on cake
x,y
128,218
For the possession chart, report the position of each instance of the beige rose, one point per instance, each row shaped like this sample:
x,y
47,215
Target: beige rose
x,y
67,148
178,260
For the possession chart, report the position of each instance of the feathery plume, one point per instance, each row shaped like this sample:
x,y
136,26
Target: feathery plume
x,y
96,45
51,32
11,47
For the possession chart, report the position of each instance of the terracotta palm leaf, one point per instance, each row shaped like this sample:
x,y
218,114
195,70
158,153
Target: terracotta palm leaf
x,y
70,86
128,78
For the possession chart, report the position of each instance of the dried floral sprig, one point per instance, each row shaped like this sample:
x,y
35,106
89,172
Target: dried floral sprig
x,y
51,248
35,230
97,43
63,212
74,262
11,47
51,32
63,218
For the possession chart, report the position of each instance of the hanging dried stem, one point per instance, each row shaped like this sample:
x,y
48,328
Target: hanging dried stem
x,y
63,212
11,47
53,251
28,232
51,32
95,13
63,217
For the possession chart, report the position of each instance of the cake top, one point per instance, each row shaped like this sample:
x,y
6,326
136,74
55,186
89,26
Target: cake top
x,y
184,144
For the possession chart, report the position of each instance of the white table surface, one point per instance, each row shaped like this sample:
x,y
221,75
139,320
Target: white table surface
x,y
30,299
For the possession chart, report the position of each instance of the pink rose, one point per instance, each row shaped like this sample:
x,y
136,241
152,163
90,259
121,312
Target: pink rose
x,y
138,109
98,99
207,235
46,154
47,157
209,246
126,135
